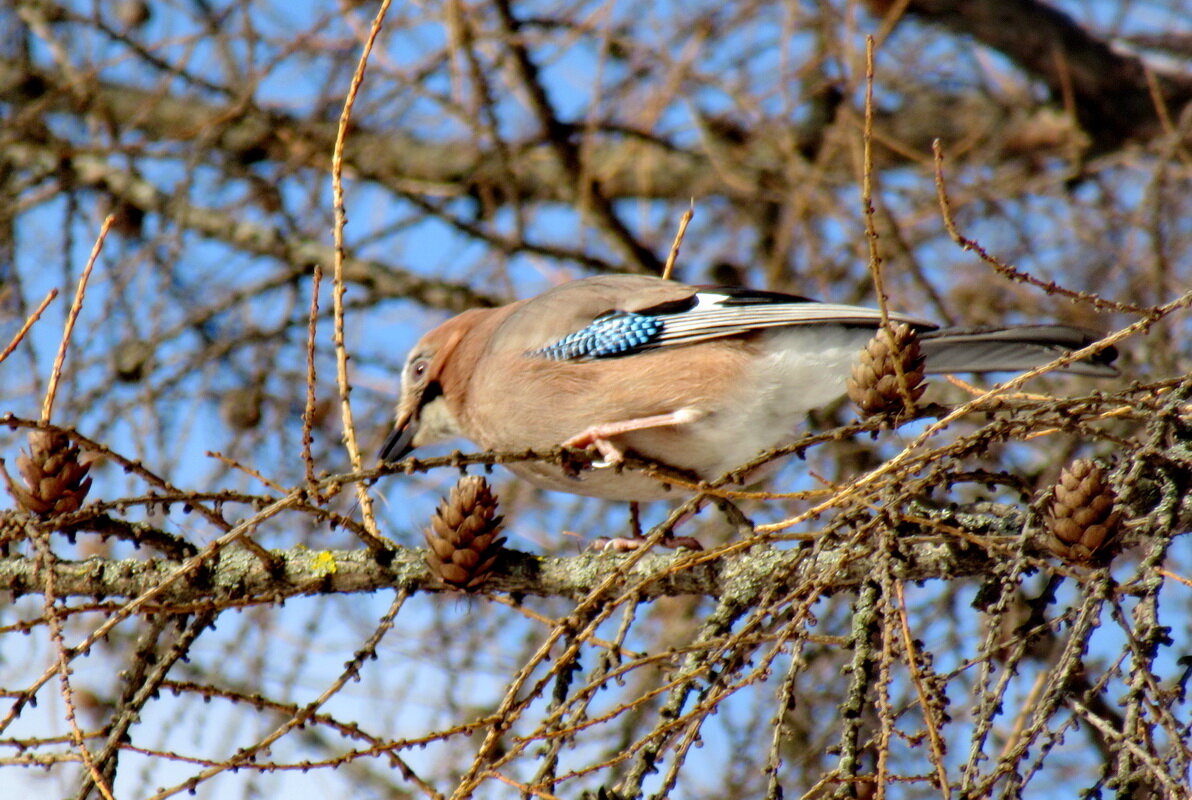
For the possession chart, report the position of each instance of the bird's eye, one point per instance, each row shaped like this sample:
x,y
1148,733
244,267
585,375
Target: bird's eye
x,y
418,369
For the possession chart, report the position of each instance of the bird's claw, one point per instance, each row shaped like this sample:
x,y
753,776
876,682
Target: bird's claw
x,y
627,544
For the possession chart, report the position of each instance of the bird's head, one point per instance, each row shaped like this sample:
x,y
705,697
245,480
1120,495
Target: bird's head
x,y
432,382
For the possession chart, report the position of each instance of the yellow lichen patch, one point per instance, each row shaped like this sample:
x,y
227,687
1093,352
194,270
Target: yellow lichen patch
x,y
325,563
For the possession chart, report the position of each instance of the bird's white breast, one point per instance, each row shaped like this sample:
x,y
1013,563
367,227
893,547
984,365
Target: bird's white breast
x,y
801,369
796,370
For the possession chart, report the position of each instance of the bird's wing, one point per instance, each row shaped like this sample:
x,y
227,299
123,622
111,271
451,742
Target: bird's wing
x,y
702,316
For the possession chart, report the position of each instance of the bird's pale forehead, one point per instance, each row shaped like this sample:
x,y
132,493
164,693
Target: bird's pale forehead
x,y
430,342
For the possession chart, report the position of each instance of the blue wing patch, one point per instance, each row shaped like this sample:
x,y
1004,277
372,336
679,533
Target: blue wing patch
x,y
614,334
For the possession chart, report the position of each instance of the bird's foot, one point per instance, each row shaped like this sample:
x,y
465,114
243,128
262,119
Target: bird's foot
x,y
627,544
610,454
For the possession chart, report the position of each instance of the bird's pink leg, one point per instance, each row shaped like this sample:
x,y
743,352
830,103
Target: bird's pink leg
x,y
625,544
598,435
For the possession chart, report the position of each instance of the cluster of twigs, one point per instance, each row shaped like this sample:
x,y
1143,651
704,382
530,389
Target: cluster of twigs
x,y
933,623
882,533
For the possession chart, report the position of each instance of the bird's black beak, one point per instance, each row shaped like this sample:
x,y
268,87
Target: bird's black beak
x,y
400,440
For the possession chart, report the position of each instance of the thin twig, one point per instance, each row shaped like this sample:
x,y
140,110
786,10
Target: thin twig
x,y
871,234
1011,272
890,19
875,258
47,405
1068,93
684,221
885,711
1174,577
308,412
929,721
373,537
34,317
1164,114
1025,706
62,662
236,465
531,614
525,789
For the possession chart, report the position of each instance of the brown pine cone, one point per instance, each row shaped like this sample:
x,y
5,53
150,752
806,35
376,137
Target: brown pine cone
x,y
55,476
874,386
1083,517
462,537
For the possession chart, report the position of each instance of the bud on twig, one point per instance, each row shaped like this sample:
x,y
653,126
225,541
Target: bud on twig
x,y
462,537
55,477
875,386
1083,516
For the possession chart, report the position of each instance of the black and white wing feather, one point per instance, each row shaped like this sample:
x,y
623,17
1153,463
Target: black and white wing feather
x,y
711,314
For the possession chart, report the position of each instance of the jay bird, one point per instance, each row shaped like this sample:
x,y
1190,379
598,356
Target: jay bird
x,y
698,378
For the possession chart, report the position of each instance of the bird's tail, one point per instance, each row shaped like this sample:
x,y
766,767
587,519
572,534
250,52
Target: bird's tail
x,y
1012,349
